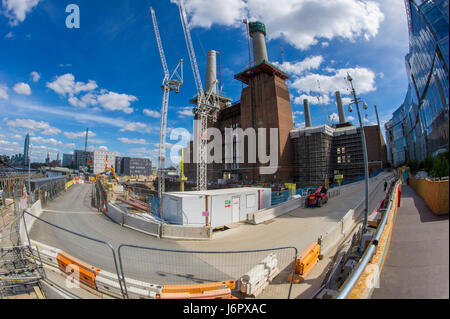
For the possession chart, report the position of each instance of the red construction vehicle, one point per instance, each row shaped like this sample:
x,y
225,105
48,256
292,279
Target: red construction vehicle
x,y
318,197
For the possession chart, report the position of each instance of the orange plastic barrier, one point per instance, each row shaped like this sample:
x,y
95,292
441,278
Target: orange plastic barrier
x,y
198,288
208,294
87,273
306,262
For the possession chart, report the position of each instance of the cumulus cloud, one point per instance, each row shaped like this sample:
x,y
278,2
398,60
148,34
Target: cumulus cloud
x,y
17,10
135,127
9,35
89,99
136,141
334,118
3,92
205,13
35,76
65,85
297,68
364,81
185,112
300,22
151,113
32,125
117,102
22,88
103,148
50,141
313,100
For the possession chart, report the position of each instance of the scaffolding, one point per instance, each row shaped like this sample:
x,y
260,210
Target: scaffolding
x,y
322,152
20,274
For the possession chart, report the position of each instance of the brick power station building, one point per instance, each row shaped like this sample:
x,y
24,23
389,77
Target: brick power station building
x,y
310,156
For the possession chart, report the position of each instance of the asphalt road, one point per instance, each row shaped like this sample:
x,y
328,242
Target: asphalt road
x,y
417,264
299,228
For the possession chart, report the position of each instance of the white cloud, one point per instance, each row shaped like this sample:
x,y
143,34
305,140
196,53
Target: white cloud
x,y
132,141
9,35
50,141
35,76
17,10
3,92
300,22
313,100
363,80
303,22
79,135
135,127
32,125
334,118
8,143
22,88
185,111
298,68
117,102
84,101
151,113
350,118
205,13
103,148
66,85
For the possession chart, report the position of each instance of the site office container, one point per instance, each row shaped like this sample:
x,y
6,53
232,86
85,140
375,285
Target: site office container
x,y
225,206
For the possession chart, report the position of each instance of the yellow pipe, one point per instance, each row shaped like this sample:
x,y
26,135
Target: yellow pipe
x,y
182,177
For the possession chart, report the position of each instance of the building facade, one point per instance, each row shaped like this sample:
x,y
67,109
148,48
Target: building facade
x,y
127,166
67,160
81,158
103,159
425,111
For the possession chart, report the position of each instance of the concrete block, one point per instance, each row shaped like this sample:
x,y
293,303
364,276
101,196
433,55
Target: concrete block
x,y
186,232
140,224
273,212
254,281
331,238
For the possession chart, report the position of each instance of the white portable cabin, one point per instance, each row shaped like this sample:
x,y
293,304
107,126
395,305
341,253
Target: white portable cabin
x,y
225,206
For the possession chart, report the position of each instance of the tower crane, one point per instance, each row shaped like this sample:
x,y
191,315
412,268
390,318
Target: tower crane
x,y
207,105
171,82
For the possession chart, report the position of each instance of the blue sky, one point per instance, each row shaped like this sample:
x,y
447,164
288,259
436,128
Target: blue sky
x,y
55,82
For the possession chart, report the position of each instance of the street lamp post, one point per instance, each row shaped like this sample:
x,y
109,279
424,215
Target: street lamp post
x,y
356,101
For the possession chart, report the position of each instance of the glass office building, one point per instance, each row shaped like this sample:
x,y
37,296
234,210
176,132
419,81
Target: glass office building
x,y
395,139
425,111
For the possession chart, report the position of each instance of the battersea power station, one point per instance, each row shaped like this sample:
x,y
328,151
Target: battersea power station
x,y
308,156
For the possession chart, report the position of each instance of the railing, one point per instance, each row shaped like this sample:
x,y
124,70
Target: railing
x,y
356,275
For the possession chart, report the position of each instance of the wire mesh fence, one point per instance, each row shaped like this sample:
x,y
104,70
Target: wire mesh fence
x,y
257,273
62,248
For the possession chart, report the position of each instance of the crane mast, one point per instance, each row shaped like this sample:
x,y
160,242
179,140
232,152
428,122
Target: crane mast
x,y
207,105
171,82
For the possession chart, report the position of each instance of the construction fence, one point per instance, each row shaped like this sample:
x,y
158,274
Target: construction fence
x,y
136,272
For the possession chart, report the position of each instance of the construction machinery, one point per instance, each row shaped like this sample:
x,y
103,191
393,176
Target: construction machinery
x,y
108,170
171,82
207,105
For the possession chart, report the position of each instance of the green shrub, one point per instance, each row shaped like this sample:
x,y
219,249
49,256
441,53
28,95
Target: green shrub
x,y
413,166
440,167
428,164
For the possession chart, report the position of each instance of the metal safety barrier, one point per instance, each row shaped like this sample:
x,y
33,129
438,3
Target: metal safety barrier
x,y
370,251
193,270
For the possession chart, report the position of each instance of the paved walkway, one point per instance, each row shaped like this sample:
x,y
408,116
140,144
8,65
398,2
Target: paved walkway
x,y
417,264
